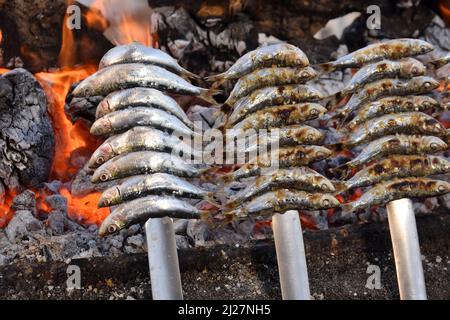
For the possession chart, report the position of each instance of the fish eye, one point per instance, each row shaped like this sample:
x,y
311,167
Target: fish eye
x,y
325,202
424,48
441,188
314,112
434,146
100,160
414,70
427,84
392,122
104,177
310,137
112,228
325,187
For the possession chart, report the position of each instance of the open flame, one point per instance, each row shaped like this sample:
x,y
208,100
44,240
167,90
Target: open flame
x,y
122,24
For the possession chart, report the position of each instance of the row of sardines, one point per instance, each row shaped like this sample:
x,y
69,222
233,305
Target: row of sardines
x,y
143,124
388,116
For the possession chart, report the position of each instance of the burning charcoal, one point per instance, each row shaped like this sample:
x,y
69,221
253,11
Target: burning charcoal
x,y
83,108
135,244
57,202
21,225
2,193
27,135
180,226
24,201
198,231
56,222
3,260
444,201
182,242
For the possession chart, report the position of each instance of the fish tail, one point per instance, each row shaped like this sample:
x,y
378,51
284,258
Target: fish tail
x,y
335,98
190,75
347,210
336,147
343,171
218,79
324,68
208,95
227,178
340,186
211,198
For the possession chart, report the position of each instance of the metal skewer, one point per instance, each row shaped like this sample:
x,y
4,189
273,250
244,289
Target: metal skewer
x,y
287,232
405,243
163,259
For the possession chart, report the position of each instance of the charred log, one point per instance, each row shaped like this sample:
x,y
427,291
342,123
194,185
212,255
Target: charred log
x,y
26,134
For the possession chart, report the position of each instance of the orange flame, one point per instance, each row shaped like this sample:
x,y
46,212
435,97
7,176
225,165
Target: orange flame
x,y
5,207
122,21
73,142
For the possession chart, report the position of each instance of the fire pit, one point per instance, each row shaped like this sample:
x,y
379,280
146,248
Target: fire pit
x,y
48,207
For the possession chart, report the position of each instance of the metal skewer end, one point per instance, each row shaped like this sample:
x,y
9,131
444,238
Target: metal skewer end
x,y
405,243
163,259
287,232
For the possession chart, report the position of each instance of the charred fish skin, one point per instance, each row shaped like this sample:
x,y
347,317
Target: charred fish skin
x,y
393,104
399,166
133,97
272,96
288,157
283,200
408,123
280,55
388,87
441,61
405,68
301,178
131,75
156,184
385,192
140,210
397,144
139,53
286,136
268,77
143,162
135,139
121,120
391,50
279,116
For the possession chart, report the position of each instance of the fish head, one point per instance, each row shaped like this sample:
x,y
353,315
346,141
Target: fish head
x,y
432,144
315,110
325,201
112,224
423,84
321,153
101,155
309,135
101,175
431,125
440,164
326,185
109,197
442,186
102,109
308,73
412,67
422,47
425,101
101,127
